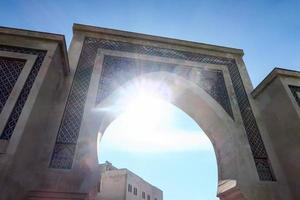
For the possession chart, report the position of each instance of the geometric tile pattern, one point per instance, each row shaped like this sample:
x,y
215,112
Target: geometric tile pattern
x,y
78,94
263,167
62,156
16,112
10,69
295,89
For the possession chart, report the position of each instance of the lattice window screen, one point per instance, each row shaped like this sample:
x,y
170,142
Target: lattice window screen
x,y
16,112
10,69
296,93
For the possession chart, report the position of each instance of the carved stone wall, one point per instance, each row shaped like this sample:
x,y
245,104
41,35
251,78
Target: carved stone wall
x,y
277,97
33,68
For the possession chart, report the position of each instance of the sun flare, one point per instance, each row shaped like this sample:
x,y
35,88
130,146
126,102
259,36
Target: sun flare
x,y
148,123
146,111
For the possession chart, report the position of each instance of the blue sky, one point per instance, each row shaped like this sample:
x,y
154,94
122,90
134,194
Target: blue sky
x,y
267,31
164,146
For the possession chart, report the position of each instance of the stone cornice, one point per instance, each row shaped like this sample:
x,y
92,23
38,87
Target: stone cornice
x,y
60,39
126,34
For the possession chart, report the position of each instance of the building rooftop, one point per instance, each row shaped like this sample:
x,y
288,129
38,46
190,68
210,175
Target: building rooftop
x,y
109,167
59,38
276,72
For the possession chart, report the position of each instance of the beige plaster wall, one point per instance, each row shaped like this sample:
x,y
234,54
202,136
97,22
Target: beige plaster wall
x,y
113,185
142,186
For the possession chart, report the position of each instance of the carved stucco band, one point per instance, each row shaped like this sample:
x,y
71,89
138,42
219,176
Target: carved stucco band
x,y
68,133
116,71
295,91
16,112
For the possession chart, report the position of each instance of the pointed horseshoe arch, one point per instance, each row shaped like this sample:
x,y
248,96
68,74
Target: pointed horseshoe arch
x,y
190,98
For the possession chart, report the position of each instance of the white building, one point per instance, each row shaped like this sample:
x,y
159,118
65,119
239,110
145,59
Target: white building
x,y
122,184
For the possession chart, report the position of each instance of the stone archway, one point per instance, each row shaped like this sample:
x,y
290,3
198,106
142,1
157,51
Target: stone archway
x,y
196,103
105,60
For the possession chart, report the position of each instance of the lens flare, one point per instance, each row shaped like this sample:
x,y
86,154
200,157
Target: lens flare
x,y
146,123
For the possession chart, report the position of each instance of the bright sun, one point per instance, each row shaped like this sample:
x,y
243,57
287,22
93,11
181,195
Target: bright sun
x,y
148,123
146,110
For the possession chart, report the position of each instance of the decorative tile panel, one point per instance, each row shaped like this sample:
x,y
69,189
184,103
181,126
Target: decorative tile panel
x,y
118,70
296,93
16,112
10,69
264,168
62,156
86,62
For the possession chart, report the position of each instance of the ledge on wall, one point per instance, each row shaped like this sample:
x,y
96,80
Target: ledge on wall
x,y
229,190
39,194
127,34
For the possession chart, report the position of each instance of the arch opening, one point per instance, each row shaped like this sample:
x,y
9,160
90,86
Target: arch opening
x,y
164,146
